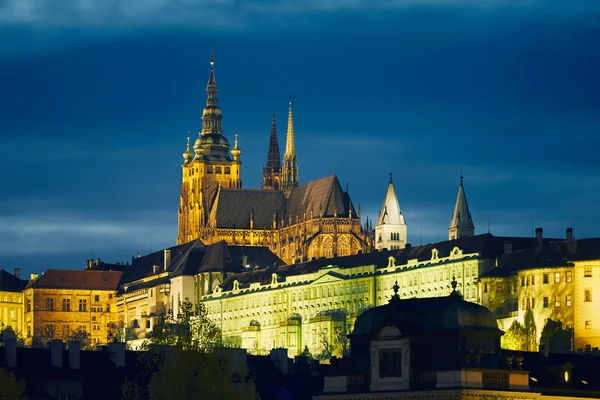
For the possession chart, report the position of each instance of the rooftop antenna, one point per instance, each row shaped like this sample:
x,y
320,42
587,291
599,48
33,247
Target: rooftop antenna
x,y
532,232
335,165
489,223
346,186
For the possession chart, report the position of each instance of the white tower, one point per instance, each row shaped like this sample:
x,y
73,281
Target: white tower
x,y
390,231
462,224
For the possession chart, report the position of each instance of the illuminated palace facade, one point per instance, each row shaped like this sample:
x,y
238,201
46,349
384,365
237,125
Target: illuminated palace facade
x,y
297,222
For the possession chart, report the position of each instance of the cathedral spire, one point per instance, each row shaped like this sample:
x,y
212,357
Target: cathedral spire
x,y
272,170
391,228
212,117
462,223
290,164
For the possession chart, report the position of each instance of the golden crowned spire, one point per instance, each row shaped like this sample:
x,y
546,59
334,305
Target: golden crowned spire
x,y
289,144
212,116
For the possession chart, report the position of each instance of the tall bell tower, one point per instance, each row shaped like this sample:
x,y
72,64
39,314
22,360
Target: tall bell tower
x,y
290,163
211,165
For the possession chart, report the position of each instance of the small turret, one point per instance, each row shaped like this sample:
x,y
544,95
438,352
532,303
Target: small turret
x,y
187,155
236,152
391,228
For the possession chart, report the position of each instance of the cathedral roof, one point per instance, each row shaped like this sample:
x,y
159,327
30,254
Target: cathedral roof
x,y
233,208
321,197
390,213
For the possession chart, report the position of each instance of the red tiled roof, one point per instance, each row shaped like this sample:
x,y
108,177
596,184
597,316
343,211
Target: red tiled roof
x,y
77,279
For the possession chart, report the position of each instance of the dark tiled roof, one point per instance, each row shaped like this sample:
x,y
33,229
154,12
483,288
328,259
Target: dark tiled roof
x,y
223,258
10,283
143,267
233,208
551,254
76,279
486,245
324,196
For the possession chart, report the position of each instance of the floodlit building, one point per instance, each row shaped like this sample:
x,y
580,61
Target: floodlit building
x,y
11,300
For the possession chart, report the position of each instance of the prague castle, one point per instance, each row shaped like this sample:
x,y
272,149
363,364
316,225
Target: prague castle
x,y
297,222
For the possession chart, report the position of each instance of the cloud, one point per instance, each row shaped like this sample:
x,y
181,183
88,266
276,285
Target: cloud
x,y
226,14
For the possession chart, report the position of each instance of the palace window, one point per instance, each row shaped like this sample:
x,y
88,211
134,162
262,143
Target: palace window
x,y
545,278
498,287
66,305
588,324
587,295
587,272
97,298
366,288
532,279
532,302
390,363
545,302
568,300
49,304
522,281
557,301
569,276
66,330
82,305
557,277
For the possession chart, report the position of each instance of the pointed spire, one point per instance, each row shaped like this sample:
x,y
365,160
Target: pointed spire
x,y
212,116
461,224
290,164
272,170
391,229
289,143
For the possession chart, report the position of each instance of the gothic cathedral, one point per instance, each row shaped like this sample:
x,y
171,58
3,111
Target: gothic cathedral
x,y
297,222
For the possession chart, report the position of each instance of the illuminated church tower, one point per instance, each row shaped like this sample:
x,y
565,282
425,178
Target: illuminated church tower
x,y
209,167
390,231
290,164
462,223
272,171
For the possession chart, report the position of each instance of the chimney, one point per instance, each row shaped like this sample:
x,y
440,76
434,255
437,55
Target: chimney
x,y
17,273
97,261
10,352
167,258
116,353
56,353
539,236
74,354
34,276
569,236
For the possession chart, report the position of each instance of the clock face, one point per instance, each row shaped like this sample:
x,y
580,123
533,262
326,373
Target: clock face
x,y
566,376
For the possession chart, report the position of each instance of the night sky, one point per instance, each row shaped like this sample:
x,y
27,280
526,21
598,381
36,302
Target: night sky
x,y
97,98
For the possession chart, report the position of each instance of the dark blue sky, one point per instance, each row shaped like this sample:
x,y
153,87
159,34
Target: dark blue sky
x,y
96,103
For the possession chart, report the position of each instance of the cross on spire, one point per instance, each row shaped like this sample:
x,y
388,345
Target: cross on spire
x,y
461,178
212,57
391,177
335,165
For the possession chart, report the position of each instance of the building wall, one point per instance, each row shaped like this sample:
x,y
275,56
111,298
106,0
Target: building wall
x,y
44,308
11,311
291,312
587,310
199,178
558,293
390,237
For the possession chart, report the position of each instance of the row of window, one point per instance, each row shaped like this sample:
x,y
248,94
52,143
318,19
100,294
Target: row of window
x,y
66,305
530,303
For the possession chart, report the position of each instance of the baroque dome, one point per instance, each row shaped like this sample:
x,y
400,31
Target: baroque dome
x,y
450,313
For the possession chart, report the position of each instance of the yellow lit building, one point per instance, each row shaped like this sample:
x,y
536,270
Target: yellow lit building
x,y
11,301
297,222
60,303
292,305
559,280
